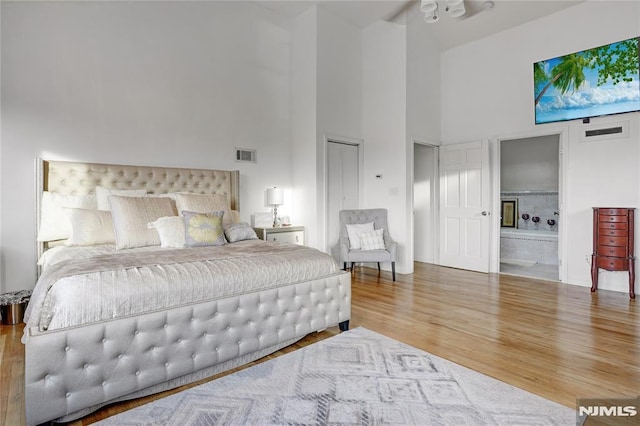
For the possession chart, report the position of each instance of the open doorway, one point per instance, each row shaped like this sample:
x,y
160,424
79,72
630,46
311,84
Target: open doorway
x,y
425,202
530,206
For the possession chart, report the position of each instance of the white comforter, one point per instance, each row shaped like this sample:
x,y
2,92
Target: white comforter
x,y
126,291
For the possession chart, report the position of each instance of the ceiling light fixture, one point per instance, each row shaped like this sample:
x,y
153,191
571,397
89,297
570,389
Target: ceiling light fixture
x,y
430,8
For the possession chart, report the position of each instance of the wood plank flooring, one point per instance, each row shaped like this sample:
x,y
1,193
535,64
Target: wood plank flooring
x,y
558,341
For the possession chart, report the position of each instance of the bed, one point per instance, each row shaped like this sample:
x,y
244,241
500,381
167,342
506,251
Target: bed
x,y
116,320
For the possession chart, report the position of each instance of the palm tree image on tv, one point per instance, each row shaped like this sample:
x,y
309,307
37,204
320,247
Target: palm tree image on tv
x,y
599,81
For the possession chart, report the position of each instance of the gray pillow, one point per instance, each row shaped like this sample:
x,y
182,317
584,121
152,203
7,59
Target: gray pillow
x,y
239,232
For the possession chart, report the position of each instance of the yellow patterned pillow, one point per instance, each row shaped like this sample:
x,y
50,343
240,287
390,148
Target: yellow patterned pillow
x,y
203,229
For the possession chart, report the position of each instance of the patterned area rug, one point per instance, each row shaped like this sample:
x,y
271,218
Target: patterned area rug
x,y
357,377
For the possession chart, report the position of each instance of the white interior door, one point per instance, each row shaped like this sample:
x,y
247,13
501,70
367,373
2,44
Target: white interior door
x,y
465,192
342,188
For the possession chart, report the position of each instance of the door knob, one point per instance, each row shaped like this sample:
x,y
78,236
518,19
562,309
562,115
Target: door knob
x,y
485,213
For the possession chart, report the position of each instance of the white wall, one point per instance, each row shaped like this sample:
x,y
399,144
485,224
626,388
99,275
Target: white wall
x,y
152,83
488,93
304,70
326,100
423,125
530,164
423,80
339,97
384,106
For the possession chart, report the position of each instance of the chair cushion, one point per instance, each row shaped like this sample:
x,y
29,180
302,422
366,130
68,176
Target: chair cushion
x,y
369,256
354,230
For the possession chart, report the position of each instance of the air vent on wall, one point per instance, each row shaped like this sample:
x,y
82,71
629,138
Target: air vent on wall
x,y
246,155
605,131
600,132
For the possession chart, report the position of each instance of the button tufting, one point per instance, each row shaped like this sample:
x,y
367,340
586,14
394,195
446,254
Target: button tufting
x,y
104,340
85,366
136,332
119,356
67,349
137,373
68,395
166,364
104,384
166,325
46,377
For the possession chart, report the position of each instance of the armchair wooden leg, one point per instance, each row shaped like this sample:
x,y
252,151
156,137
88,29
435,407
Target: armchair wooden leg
x,y
345,266
378,266
352,263
393,270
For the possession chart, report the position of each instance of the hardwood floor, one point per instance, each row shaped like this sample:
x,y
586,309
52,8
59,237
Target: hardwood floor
x,y
558,341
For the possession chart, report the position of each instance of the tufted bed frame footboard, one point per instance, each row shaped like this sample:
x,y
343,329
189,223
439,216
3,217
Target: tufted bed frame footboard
x,y
73,371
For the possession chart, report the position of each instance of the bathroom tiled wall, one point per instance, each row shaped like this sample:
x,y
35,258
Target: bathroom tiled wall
x,y
536,203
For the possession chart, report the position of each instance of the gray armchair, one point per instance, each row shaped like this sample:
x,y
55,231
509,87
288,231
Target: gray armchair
x,y
349,255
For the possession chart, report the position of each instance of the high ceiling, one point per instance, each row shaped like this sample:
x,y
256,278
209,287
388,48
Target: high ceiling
x,y
480,21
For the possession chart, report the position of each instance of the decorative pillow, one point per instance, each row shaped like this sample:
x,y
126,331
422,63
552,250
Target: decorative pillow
x,y
354,230
205,203
131,216
203,229
54,220
89,227
102,195
239,232
171,231
372,240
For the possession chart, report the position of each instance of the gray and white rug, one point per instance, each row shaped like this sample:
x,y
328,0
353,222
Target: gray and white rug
x,y
357,377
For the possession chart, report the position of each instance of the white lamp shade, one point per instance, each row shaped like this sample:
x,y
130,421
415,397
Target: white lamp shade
x,y
274,196
428,6
457,11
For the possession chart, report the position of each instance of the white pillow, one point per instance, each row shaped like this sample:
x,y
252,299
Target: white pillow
x,y
102,195
205,203
170,230
89,227
354,230
131,216
54,220
372,240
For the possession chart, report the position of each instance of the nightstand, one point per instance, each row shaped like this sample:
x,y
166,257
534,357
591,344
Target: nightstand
x,y
283,234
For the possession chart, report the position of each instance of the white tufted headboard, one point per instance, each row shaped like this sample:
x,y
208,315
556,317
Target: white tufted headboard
x,y
65,177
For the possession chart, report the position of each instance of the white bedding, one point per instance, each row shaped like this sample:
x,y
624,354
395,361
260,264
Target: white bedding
x,y
129,291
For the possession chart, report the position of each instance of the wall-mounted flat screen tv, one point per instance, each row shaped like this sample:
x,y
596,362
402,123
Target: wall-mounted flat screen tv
x,y
600,81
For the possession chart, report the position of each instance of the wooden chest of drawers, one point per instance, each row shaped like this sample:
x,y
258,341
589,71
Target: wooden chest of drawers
x,y
613,244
